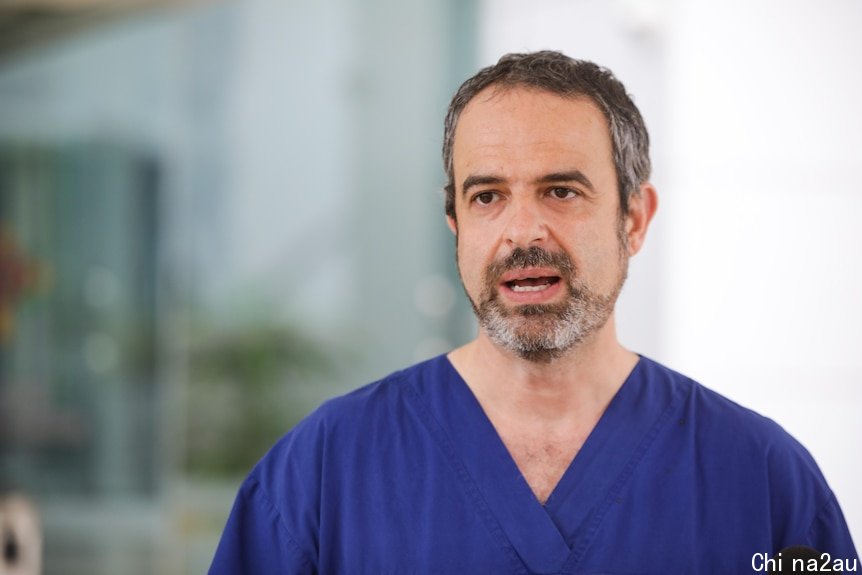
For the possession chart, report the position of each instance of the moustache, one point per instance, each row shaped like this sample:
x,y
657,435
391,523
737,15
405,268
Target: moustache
x,y
533,256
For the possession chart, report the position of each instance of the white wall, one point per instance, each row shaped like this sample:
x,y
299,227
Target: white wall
x,y
763,279
750,281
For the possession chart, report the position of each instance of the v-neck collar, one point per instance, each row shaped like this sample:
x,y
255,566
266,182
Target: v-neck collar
x,y
553,537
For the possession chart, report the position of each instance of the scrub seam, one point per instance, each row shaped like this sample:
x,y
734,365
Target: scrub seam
x,y
463,475
635,459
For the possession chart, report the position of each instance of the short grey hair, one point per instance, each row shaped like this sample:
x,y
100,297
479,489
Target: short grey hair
x,y
556,73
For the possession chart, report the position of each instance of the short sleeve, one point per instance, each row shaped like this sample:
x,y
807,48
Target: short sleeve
x,y
255,539
829,533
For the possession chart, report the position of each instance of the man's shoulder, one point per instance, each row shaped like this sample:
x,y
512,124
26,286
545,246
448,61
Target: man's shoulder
x,y
382,395
348,416
723,424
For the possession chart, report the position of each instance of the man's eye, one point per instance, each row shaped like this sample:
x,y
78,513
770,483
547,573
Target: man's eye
x,y
563,193
485,198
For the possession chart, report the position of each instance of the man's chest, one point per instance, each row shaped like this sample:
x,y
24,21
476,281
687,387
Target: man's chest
x,y
542,458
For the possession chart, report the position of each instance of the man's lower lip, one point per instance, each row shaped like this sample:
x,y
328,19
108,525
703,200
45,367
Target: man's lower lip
x,y
530,296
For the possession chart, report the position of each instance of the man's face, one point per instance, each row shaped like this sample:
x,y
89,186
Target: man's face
x,y
541,243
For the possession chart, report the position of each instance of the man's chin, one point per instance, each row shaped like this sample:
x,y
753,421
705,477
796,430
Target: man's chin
x,y
536,311
542,355
532,346
528,329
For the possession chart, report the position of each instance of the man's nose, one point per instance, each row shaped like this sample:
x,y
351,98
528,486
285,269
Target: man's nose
x,y
526,225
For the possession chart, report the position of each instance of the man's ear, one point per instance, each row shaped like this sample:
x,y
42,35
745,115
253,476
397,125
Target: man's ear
x,y
642,207
453,225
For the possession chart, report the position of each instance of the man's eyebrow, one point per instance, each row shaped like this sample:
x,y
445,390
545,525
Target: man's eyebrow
x,y
569,176
480,180
552,178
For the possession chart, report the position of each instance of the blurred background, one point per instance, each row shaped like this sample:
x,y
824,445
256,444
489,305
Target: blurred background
x,y
215,215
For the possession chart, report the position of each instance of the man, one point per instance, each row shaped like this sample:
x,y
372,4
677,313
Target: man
x,y
543,446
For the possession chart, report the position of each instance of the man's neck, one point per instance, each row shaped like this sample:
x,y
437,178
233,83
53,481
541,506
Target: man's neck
x,y
575,386
544,412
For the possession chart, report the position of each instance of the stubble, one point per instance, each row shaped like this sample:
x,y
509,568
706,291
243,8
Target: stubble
x,y
542,333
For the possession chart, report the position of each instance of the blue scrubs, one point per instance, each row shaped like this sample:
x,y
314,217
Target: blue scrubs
x,y
407,475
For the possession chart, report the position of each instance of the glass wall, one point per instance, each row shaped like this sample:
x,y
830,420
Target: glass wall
x,y
212,218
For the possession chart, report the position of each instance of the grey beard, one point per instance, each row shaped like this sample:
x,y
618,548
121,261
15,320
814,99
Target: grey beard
x,y
543,333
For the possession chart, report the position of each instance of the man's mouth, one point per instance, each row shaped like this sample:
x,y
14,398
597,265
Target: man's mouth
x,y
530,284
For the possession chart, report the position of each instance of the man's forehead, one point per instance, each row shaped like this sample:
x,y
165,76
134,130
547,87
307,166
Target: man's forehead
x,y
523,95
521,111
528,124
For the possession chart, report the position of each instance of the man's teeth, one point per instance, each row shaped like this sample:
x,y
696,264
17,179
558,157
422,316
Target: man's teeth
x,y
517,288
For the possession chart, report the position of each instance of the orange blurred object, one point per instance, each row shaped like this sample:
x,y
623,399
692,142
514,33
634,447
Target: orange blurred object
x,y
19,275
